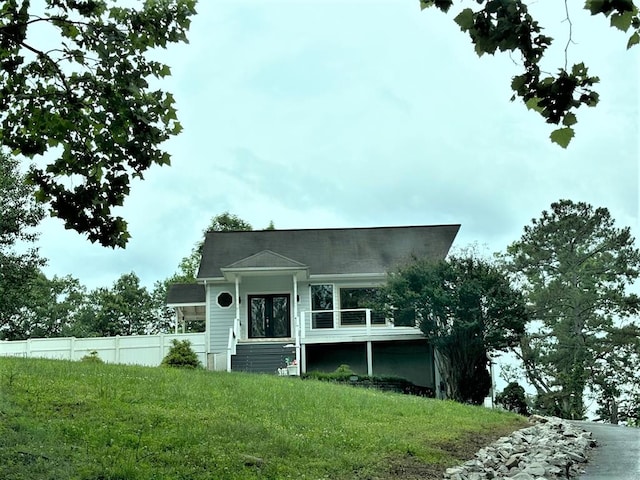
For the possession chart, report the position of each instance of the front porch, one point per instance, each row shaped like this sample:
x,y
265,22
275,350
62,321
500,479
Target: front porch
x,y
352,328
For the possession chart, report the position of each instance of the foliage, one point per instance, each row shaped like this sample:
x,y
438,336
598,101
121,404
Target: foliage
x,y
508,26
575,266
513,398
125,309
76,84
615,382
19,260
466,309
181,355
92,357
344,375
70,419
188,268
50,308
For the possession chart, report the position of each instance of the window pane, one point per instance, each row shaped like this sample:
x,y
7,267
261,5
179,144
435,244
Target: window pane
x,y
258,317
280,320
351,298
322,299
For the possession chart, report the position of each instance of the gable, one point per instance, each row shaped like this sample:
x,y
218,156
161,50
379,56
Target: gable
x,y
266,259
325,251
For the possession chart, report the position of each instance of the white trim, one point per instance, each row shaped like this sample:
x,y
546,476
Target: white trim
x,y
337,277
207,321
362,338
191,304
237,284
320,278
232,299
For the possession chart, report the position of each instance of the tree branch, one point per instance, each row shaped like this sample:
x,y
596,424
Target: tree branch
x,y
570,40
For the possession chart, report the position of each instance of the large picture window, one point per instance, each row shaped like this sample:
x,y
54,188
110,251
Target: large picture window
x,y
359,298
322,299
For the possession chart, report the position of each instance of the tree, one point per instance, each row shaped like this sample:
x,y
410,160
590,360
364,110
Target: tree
x,y
509,27
513,398
574,266
75,84
188,267
615,382
466,309
49,309
225,222
181,355
125,309
19,260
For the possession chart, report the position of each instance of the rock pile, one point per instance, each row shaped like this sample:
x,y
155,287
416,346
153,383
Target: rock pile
x,y
552,448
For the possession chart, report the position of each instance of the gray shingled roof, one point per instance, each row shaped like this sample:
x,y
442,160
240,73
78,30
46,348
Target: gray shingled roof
x,y
326,251
186,293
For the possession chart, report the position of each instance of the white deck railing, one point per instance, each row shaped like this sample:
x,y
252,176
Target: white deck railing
x,y
323,320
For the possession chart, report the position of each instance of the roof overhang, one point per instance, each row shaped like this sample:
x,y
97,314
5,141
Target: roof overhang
x,y
230,274
190,304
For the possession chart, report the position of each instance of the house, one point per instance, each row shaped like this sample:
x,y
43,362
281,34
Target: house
x,y
300,297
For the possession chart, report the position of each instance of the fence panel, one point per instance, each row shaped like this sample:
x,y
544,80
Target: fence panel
x,y
134,350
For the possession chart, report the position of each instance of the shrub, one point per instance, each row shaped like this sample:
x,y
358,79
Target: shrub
x,y
92,358
181,355
344,375
512,398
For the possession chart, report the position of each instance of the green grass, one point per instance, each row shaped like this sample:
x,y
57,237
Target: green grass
x,y
77,420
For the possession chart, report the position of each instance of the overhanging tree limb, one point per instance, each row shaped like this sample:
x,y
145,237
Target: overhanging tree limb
x,y
508,26
97,109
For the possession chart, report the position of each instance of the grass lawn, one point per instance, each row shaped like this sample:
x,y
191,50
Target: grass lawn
x,y
78,420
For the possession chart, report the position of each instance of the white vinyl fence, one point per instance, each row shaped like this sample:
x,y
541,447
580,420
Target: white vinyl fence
x,y
137,349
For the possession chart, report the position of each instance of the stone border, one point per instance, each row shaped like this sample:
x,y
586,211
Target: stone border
x,y
552,448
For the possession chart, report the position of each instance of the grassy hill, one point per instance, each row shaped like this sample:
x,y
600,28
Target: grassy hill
x,y
66,420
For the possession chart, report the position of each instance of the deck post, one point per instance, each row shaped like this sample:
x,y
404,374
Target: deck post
x,y
296,321
237,281
369,359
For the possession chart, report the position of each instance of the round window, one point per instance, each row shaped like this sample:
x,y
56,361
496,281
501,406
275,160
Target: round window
x,y
225,299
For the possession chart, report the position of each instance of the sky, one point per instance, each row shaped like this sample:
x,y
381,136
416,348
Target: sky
x,y
320,114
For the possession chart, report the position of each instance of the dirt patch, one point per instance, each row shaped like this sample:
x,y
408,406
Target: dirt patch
x,y
463,449
412,468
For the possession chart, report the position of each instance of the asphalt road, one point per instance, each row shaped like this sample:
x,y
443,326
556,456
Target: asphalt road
x,y
617,456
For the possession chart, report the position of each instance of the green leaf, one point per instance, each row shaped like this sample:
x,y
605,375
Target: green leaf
x,y
633,40
622,21
595,6
518,82
569,119
562,136
443,5
534,104
40,196
465,19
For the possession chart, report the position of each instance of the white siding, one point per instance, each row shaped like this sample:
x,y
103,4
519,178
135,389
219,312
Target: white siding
x,y
221,318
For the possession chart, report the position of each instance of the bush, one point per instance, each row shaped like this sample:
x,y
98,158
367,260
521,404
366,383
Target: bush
x,y
181,355
92,358
512,398
344,375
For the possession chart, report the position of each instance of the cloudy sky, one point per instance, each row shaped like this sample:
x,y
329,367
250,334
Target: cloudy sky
x,y
359,113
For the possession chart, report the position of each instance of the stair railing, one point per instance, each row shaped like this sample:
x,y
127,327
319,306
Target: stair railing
x,y
234,334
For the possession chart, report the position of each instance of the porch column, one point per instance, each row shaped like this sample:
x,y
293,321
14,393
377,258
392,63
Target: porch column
x,y
237,280
369,359
296,322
